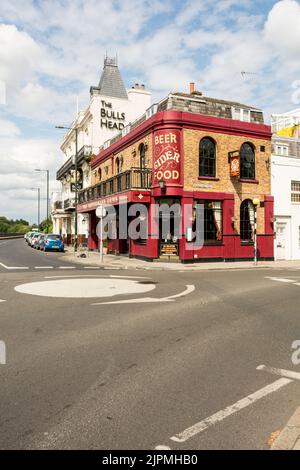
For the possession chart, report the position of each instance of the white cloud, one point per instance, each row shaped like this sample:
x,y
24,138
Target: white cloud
x,y
282,29
8,128
18,159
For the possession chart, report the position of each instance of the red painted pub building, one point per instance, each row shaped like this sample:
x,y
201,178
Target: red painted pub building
x,y
189,149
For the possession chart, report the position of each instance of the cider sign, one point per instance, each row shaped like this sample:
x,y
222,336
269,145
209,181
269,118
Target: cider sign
x,y
167,157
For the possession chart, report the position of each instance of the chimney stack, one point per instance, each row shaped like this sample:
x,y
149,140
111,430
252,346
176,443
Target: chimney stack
x,y
137,86
143,87
192,88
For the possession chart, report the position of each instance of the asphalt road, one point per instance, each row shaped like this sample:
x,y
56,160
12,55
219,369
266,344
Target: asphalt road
x,y
134,375
17,254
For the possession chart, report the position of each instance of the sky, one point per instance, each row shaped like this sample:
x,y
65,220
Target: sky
x,y
52,51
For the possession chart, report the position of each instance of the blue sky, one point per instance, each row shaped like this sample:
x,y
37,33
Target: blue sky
x,y
52,51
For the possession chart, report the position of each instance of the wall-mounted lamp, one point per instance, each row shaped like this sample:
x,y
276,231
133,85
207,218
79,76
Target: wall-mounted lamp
x,y
162,184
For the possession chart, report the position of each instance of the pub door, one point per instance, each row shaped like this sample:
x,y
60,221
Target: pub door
x,y
169,230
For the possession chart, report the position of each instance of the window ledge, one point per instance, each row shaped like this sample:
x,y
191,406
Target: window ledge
x,y
209,178
245,180
247,243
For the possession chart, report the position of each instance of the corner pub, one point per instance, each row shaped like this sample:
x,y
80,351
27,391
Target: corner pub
x,y
189,149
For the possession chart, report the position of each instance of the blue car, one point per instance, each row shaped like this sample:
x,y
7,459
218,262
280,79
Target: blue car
x,y
52,242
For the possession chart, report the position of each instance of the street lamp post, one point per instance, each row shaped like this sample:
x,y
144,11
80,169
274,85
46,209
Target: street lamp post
x,y
76,180
38,204
255,204
47,218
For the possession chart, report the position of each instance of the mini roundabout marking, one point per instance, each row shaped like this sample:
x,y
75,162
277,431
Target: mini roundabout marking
x,y
84,287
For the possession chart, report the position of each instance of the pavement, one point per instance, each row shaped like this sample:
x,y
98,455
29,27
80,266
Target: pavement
x,y
92,258
122,359
289,437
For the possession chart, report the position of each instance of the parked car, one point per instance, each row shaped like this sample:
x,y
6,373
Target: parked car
x,y
37,240
33,239
28,235
52,242
40,242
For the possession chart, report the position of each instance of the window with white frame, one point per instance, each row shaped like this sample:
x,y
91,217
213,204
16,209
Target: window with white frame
x,y
241,114
282,150
295,191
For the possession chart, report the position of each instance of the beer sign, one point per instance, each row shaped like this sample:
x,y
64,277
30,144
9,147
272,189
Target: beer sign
x,y
235,166
167,157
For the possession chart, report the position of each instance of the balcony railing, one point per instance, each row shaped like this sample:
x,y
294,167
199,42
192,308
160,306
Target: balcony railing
x,y
57,205
84,153
135,178
69,204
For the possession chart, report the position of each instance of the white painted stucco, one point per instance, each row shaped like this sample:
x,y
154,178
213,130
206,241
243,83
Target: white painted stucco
x,y
284,170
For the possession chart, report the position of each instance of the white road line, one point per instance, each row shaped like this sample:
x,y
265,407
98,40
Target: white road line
x,y
66,267
114,268
128,277
91,267
171,298
189,289
43,267
220,415
1,300
282,372
279,279
76,275
13,267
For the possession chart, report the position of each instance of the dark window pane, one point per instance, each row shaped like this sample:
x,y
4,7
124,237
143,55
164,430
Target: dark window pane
x,y
246,220
247,160
207,158
212,221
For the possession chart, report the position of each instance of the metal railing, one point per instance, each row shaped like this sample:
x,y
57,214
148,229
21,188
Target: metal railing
x,y
136,178
69,204
57,205
83,153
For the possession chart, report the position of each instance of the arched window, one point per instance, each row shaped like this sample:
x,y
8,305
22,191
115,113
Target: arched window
x,y
99,174
117,165
207,157
247,220
247,161
142,155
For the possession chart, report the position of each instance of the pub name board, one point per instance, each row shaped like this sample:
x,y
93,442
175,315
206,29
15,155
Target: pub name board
x,y
109,118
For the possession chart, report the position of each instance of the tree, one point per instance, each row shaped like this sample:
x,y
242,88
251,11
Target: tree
x,y
43,225
13,226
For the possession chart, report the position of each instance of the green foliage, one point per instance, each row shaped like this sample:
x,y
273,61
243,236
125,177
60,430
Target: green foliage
x,y
43,225
13,226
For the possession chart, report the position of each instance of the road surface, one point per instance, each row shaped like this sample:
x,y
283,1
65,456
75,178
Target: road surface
x,y
143,359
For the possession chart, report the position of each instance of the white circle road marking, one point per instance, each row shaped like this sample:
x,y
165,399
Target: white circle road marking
x,y
83,288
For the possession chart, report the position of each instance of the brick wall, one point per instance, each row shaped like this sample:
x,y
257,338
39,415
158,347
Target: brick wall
x,y
226,143
129,161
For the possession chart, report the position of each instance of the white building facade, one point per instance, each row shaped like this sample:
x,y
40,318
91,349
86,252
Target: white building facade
x,y
110,110
285,185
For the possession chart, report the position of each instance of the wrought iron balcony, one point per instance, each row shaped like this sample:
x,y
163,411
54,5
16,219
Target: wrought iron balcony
x,y
57,205
135,178
69,204
83,154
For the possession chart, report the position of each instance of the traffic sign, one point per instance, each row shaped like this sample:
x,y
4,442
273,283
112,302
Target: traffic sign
x,y
100,212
